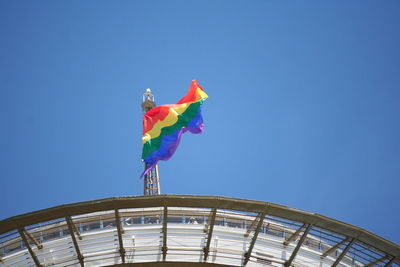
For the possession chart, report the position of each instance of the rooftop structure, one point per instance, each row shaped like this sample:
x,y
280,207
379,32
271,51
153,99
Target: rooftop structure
x,y
175,230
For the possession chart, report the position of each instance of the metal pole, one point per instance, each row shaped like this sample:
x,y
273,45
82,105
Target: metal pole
x,y
151,179
158,180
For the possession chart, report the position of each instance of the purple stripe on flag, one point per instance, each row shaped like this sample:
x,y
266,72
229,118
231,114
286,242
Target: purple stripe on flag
x,y
169,143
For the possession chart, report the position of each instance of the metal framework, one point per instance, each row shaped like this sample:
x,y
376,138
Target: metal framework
x,y
209,230
73,230
36,242
120,231
294,253
376,262
152,182
22,232
151,179
247,255
335,247
383,252
254,223
164,232
294,235
343,252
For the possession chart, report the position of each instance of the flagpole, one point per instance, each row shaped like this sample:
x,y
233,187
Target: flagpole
x,y
151,179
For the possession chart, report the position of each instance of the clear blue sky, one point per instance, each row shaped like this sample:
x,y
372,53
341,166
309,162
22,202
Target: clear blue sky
x,y
303,105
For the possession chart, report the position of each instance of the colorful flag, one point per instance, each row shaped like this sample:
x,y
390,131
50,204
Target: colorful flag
x,y
164,125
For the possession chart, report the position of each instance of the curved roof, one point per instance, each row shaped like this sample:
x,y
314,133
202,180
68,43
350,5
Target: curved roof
x,y
314,220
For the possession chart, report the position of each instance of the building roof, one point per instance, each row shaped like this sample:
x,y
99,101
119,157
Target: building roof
x,y
377,244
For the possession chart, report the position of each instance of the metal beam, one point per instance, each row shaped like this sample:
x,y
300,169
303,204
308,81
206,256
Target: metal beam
x,y
158,180
251,227
209,231
33,255
164,231
71,227
253,240
343,253
120,232
33,239
389,264
294,235
302,238
333,248
371,264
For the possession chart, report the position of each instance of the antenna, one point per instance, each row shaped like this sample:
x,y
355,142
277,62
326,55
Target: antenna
x,y
151,179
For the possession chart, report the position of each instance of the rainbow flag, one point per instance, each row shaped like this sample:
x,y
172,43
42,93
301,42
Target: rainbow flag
x,y
164,125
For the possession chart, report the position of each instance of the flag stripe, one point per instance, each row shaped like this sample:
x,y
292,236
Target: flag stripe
x,y
182,121
152,117
169,120
170,142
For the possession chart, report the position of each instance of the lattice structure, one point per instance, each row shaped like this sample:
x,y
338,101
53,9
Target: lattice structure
x,y
152,182
151,179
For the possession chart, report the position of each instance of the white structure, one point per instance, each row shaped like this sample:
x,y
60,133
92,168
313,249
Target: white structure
x,y
170,230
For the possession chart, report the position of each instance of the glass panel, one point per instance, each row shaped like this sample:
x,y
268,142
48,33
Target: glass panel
x,y
133,220
109,224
